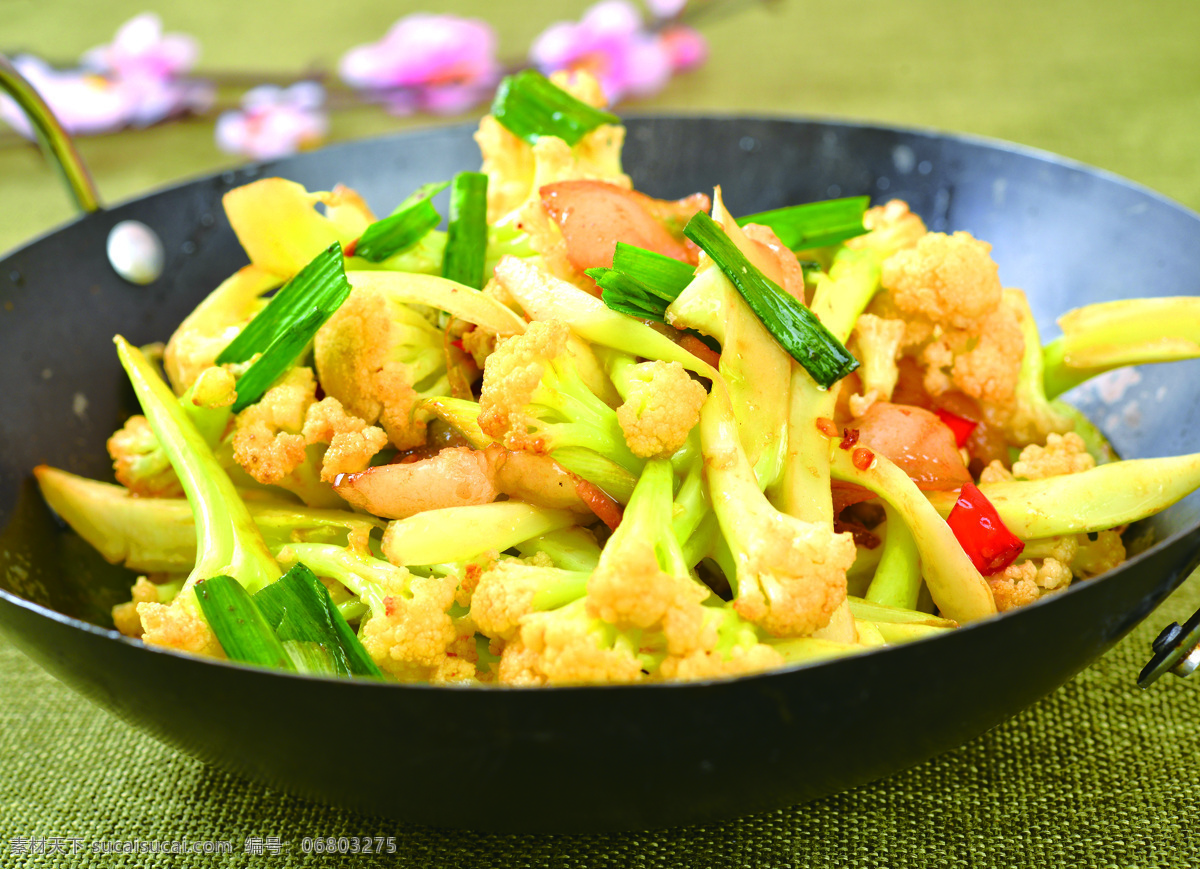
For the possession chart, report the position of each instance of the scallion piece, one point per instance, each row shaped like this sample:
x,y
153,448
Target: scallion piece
x,y
303,615
641,283
320,284
409,223
283,329
814,224
467,234
530,106
241,629
794,326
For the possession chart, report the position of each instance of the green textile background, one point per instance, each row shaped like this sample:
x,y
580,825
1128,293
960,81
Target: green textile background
x,y
1100,774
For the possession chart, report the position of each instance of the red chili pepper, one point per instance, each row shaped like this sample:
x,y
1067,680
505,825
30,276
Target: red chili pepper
x,y
960,425
349,249
982,535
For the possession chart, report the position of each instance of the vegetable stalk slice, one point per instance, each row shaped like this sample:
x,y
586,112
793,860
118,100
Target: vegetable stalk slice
x,y
467,235
404,227
977,526
530,106
794,326
814,224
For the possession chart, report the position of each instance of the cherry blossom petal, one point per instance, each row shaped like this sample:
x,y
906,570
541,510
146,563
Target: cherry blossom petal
x,y
274,122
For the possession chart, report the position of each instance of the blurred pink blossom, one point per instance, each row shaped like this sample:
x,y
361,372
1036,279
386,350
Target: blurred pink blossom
x,y
134,81
83,102
434,63
664,9
140,48
274,122
612,42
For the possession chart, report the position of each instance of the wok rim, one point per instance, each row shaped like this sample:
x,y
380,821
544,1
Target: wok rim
x,y
258,169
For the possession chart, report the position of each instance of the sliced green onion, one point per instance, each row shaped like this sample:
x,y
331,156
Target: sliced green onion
x,y
794,326
241,629
320,284
530,106
641,283
814,224
281,337
467,234
409,223
300,609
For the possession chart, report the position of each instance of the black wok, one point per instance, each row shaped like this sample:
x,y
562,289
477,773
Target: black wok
x,y
586,758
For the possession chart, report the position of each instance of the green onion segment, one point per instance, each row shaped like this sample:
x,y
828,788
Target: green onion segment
x,y
412,220
282,330
814,224
467,234
530,106
794,326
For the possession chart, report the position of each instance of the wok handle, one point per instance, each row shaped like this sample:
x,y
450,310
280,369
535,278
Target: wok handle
x,y
56,143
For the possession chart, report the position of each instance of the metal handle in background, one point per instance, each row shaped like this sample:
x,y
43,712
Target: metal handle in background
x,y
1176,649
134,250
56,143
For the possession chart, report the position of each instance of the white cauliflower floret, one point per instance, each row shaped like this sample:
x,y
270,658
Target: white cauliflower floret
x,y
567,645
1062,454
794,575
875,343
352,443
125,615
1098,556
662,407
379,358
413,635
947,279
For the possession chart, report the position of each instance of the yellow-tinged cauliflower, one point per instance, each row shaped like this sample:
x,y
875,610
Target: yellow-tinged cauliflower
x,y
380,357
125,615
875,343
1094,557
890,227
534,398
279,440
178,626
661,408
629,590
712,665
139,462
567,645
792,575
352,443
412,635
511,589
1062,454
950,280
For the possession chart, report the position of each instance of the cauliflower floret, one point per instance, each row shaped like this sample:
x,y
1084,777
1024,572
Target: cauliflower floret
x,y
352,443
629,589
1028,580
984,361
876,342
139,462
513,373
1095,557
794,575
711,664
662,407
510,589
379,358
410,638
891,227
178,626
125,615
948,279
995,472
569,645
267,442
1062,454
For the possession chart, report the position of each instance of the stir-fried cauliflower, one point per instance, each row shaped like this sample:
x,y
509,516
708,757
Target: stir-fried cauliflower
x,y
662,407
1062,454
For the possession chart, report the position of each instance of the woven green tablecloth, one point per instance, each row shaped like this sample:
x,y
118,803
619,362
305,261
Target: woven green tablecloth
x,y
1099,774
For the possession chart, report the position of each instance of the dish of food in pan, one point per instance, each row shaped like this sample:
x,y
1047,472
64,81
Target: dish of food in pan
x,y
587,436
